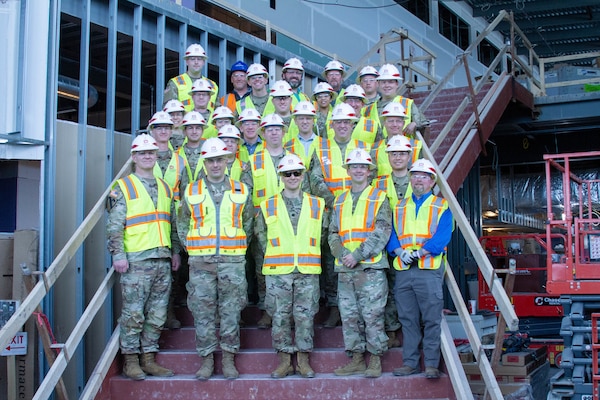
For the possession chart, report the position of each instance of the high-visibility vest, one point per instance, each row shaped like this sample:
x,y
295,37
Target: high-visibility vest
x,y
184,86
331,160
210,233
355,227
386,183
414,230
236,169
192,176
146,226
286,249
245,156
172,175
371,112
264,177
383,162
365,130
297,147
247,102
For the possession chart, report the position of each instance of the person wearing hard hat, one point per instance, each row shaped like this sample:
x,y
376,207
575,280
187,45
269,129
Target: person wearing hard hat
x,y
193,126
179,87
143,243
257,77
366,129
367,79
389,82
393,116
334,74
293,72
220,117
423,227
266,183
323,97
201,93
239,84
361,263
396,186
280,97
303,142
214,221
327,179
249,125
231,136
291,242
176,110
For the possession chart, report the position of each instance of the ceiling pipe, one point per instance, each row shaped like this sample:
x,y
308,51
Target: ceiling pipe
x,y
68,88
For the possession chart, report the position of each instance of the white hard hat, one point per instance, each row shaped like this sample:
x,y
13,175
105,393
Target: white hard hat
x,y
305,108
367,70
271,120
173,106
354,91
202,85
249,114
343,111
359,156
143,142
256,69
398,143
281,88
324,87
193,118
394,109
195,50
214,147
229,131
389,72
293,63
333,65
290,162
222,112
160,118
423,165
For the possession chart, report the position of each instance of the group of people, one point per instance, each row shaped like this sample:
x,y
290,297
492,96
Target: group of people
x,y
327,197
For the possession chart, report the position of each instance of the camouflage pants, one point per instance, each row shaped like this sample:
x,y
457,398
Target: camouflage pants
x,y
329,276
294,296
258,257
212,288
362,295
391,312
145,290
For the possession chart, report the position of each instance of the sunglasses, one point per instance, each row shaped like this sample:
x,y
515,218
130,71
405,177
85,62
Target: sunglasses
x,y
287,174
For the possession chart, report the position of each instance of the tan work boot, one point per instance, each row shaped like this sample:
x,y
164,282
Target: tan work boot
x,y
131,368
374,370
393,340
285,366
265,321
333,319
304,368
207,368
229,370
150,367
356,366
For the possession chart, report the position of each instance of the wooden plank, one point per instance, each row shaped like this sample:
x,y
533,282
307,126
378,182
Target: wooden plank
x,y
99,373
509,284
462,390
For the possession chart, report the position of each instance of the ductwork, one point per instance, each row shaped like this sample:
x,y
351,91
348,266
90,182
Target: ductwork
x,y
68,88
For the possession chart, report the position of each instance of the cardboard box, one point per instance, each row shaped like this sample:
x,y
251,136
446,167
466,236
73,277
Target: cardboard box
x,y
537,383
473,368
524,357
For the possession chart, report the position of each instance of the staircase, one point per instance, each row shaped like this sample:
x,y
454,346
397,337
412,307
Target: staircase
x,y
255,362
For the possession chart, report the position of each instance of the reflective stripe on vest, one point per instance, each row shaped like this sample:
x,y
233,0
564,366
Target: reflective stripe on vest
x,y
184,86
264,176
286,249
330,157
172,175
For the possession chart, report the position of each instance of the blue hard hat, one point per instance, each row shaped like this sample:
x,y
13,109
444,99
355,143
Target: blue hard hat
x,y
239,66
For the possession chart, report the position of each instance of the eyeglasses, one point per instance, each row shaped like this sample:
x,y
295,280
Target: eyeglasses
x,y
281,98
287,174
397,154
420,177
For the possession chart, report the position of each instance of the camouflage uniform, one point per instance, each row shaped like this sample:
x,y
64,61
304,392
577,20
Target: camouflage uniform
x,y
363,290
217,282
288,296
192,156
146,284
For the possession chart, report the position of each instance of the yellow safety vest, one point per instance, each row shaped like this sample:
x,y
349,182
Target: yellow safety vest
x,y
192,176
209,233
146,226
355,227
264,176
184,86
370,111
414,230
365,130
172,175
386,183
287,250
383,162
247,102
331,160
245,156
236,169
295,146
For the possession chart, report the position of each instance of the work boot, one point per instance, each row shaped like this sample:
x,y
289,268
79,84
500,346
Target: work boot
x,y
304,368
131,368
285,366
374,370
432,373
172,322
207,368
229,370
265,321
150,367
393,340
333,319
405,371
356,366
